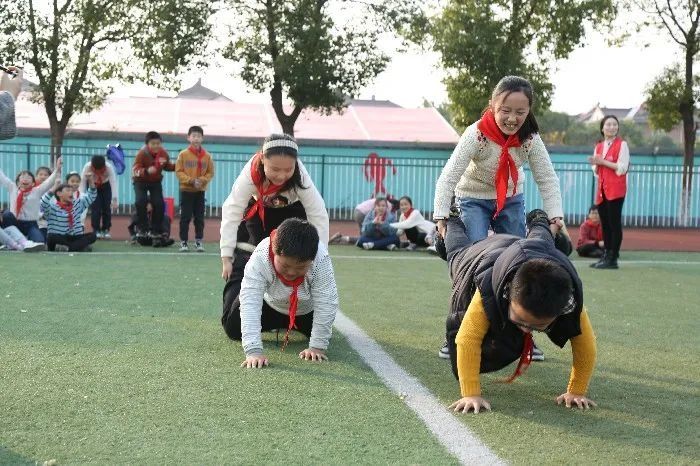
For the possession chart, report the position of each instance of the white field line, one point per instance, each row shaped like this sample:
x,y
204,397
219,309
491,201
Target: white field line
x,y
449,431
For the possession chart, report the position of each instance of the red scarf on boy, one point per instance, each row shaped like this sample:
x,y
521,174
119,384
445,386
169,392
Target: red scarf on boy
x,y
99,176
200,155
506,165
525,358
293,297
20,199
407,213
68,208
258,180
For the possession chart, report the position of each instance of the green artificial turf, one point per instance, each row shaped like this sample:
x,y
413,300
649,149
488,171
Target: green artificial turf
x,y
646,381
121,359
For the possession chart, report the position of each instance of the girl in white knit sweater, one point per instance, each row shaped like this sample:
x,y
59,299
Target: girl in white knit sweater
x,y
485,171
417,229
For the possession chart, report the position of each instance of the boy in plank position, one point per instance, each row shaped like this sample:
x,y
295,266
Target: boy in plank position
x,y
504,288
288,283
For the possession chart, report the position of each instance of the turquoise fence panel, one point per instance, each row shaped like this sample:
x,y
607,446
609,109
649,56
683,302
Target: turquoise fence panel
x,y
653,199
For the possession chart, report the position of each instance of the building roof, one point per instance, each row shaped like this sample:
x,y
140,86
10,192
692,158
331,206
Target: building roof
x,y
231,120
202,93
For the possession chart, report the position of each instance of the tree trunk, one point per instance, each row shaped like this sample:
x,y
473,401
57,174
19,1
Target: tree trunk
x,y
58,133
286,121
687,109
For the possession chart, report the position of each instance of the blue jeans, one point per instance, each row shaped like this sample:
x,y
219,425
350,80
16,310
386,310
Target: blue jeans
x,y
30,229
477,216
379,243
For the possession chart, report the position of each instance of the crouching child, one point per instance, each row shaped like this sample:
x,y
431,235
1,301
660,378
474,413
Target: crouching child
x,y
288,284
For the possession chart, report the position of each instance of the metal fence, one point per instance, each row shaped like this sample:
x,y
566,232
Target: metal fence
x,y
344,181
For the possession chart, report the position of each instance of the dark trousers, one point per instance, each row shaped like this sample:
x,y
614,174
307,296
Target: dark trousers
x,y
142,191
273,217
191,205
456,237
379,243
74,242
590,250
611,219
270,319
415,236
30,229
102,209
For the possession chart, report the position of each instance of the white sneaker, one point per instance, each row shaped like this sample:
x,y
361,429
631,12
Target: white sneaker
x,y
368,246
431,249
199,246
444,352
391,247
184,247
537,354
106,235
99,234
31,246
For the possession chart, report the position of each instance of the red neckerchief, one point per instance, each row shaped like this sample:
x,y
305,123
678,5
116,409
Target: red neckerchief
x,y
99,175
156,157
77,194
596,228
20,199
506,165
259,206
408,213
293,297
200,155
68,207
525,358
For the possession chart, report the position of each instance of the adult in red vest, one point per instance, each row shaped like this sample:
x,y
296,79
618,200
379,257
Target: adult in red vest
x,y
610,162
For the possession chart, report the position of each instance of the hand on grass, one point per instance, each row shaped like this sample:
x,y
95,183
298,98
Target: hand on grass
x,y
569,400
313,354
470,403
255,361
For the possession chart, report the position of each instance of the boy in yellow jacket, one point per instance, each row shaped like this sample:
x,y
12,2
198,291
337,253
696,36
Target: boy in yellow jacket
x,y
194,169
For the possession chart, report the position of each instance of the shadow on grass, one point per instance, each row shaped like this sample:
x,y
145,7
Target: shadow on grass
x,y
8,456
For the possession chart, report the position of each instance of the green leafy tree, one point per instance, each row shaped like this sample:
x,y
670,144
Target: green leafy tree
x,y
480,42
298,51
672,96
553,126
78,49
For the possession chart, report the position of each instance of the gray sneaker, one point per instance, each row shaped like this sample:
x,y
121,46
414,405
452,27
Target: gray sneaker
x,y
444,352
62,248
199,246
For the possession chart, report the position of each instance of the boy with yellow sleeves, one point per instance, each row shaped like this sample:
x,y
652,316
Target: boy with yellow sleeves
x,y
194,169
504,288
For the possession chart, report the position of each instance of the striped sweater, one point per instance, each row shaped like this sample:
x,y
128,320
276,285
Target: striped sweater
x,y
57,218
318,294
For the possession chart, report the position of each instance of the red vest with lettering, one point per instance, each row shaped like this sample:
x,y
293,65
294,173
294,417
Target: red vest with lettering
x,y
613,185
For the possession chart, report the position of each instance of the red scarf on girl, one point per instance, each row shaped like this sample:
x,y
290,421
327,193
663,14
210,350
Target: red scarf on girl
x,y
293,297
99,175
525,358
258,180
506,165
200,155
20,199
68,207
407,213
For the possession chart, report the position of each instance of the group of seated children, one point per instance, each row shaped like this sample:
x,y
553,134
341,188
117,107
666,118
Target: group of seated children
x,y
380,230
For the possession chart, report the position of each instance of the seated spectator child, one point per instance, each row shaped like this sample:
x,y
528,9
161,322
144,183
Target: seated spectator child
x,y
42,173
590,236
148,240
417,229
288,284
66,231
504,288
25,198
13,239
377,233
74,180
